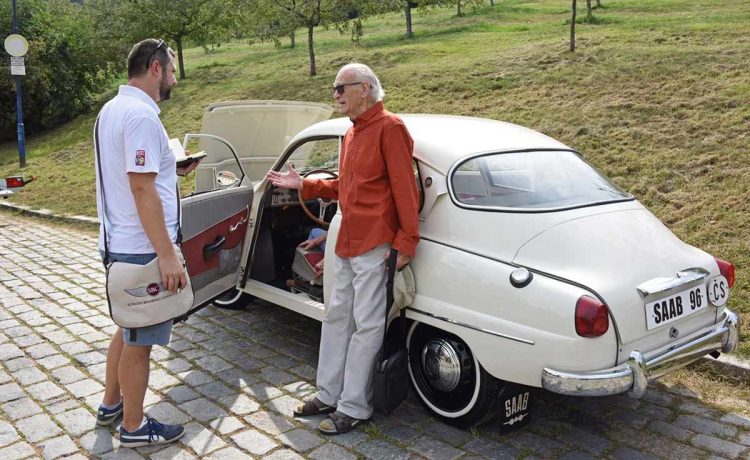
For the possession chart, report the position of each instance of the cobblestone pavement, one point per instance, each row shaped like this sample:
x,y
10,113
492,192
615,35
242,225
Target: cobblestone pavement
x,y
232,379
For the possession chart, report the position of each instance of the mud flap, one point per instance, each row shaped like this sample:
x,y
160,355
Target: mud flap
x,y
515,407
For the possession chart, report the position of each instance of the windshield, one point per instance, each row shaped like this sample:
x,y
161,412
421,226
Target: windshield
x,y
536,180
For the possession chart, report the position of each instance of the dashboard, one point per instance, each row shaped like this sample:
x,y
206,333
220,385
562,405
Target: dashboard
x,y
284,197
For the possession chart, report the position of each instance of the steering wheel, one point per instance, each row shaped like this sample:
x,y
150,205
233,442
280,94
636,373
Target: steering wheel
x,y
323,203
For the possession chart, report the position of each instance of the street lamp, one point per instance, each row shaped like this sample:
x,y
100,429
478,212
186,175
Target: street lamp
x,y
17,46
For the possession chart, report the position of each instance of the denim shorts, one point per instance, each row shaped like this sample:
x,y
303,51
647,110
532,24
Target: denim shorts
x,y
158,334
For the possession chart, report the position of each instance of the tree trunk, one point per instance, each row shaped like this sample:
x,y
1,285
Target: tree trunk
x,y
292,39
310,50
178,42
573,28
492,2
458,8
407,12
589,14
598,3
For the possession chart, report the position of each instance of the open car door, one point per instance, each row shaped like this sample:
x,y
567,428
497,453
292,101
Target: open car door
x,y
242,140
215,220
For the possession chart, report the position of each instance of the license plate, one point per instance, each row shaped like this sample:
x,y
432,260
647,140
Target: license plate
x,y
676,306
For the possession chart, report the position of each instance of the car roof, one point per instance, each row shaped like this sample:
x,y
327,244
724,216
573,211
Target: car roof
x,y
441,140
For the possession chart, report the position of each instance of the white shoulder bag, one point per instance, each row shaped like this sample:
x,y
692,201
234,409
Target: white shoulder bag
x,y
135,293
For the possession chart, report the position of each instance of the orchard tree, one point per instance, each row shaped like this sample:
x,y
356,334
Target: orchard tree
x,y
573,27
462,4
271,20
179,21
290,14
419,5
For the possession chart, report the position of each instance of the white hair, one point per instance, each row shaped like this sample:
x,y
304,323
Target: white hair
x,y
365,73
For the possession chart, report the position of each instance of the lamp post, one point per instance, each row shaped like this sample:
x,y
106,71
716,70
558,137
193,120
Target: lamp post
x,y
17,46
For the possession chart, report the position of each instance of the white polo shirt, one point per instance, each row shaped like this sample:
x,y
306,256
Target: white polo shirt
x,y
132,140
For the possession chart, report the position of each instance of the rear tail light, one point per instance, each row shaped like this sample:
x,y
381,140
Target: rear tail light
x,y
592,319
13,182
727,270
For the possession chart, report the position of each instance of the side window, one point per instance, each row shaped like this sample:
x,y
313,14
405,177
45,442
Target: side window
x,y
218,170
320,153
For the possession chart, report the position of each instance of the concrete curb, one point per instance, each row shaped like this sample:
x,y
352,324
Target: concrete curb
x,y
88,222
726,364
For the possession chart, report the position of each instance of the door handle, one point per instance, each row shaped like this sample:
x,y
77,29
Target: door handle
x,y
212,248
233,228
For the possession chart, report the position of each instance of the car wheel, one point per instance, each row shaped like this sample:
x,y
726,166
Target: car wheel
x,y
233,299
448,378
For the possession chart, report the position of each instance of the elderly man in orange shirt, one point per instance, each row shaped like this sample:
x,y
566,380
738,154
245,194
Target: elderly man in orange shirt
x,y
379,202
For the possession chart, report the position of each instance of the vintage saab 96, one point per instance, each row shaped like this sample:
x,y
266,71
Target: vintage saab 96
x,y
532,269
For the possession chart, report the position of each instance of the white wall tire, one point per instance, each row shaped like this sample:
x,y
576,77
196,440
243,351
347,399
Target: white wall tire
x,y
233,299
453,386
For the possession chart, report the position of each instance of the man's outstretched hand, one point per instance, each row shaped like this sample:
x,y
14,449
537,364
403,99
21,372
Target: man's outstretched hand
x,y
290,179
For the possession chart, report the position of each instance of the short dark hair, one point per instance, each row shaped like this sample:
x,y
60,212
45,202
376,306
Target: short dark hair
x,y
144,53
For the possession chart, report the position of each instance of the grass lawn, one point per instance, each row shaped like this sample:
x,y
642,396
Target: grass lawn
x,y
657,96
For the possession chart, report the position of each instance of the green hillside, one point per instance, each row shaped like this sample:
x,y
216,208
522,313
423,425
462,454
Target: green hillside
x,y
657,96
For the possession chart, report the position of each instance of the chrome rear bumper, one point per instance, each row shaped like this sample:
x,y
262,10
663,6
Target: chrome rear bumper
x,y
633,376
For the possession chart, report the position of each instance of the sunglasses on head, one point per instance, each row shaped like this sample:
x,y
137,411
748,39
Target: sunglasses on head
x,y
153,53
339,89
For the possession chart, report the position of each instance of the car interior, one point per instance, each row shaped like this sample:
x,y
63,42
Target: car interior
x,y
283,222
282,227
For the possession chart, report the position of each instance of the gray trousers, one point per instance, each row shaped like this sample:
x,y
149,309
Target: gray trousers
x,y
352,332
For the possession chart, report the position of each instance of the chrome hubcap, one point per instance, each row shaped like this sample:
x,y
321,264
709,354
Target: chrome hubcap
x,y
441,364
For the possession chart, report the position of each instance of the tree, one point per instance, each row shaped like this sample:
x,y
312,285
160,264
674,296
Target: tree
x,y
462,4
266,21
589,14
407,12
68,63
573,28
408,6
291,14
179,21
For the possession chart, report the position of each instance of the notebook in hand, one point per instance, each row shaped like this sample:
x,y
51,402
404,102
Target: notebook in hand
x,y
181,158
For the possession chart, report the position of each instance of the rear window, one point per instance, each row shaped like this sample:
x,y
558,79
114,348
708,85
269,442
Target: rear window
x,y
535,180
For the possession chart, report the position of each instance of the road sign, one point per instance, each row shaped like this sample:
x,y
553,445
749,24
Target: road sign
x,y
17,66
16,45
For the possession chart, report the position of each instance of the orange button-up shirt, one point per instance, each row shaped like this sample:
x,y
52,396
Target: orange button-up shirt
x,y
376,188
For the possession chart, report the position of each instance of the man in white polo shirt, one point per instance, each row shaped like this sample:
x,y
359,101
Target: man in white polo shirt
x,y
139,209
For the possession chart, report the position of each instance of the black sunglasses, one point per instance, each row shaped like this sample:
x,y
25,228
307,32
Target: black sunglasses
x,y
153,53
339,89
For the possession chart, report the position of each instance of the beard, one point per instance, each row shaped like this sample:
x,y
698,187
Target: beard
x,y
165,89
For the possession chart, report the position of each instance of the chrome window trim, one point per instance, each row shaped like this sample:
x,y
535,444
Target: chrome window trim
x,y
466,158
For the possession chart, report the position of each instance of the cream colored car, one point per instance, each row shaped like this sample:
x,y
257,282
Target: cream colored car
x,y
533,268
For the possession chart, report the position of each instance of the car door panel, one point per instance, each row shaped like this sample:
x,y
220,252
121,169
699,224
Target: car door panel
x,y
214,229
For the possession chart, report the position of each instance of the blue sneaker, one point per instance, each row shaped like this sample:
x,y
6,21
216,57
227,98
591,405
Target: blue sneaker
x,y
151,433
107,416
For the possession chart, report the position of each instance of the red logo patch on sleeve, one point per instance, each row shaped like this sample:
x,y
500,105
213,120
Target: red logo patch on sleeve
x,y
140,157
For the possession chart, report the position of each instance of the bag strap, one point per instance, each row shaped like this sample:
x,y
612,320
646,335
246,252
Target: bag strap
x,y
101,189
392,258
104,201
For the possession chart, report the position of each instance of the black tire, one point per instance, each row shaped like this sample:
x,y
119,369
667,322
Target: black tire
x,y
460,392
233,299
